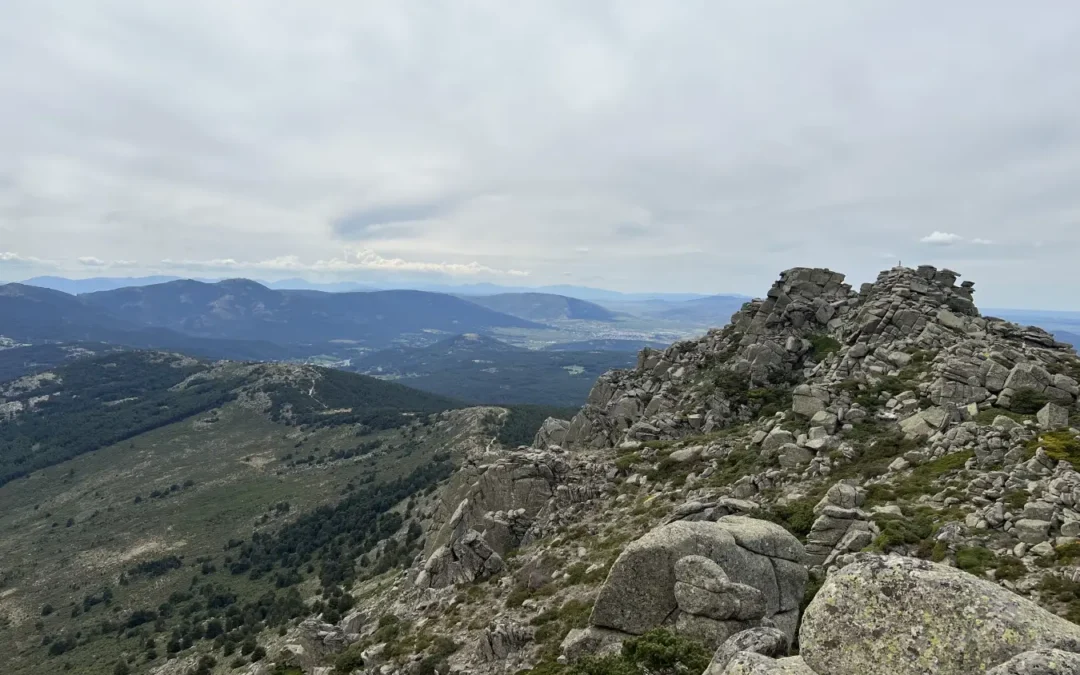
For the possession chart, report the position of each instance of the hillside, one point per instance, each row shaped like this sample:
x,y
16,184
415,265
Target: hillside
x,y
830,448
29,359
98,401
124,474
240,309
543,307
479,369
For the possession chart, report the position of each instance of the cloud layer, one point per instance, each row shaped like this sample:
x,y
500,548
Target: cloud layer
x,y
665,146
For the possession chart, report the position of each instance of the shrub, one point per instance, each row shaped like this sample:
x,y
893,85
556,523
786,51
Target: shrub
x,y
899,531
822,345
797,516
1028,401
658,652
1068,554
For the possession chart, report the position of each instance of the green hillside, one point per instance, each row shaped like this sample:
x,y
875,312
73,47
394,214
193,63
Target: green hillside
x,y
173,506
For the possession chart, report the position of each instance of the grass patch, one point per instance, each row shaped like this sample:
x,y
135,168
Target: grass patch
x,y
924,479
987,417
738,463
900,531
1059,446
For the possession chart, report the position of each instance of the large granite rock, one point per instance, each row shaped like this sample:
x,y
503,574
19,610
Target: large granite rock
x,y
901,616
709,579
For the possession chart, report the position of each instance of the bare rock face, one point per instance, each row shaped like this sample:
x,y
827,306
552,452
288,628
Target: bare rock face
x,y
552,432
903,616
466,560
709,580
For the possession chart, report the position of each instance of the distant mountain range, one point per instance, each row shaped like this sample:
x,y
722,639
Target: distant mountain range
x,y
95,284
544,307
168,314
480,369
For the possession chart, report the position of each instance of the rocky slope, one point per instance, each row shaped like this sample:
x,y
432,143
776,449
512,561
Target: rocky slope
x,y
889,446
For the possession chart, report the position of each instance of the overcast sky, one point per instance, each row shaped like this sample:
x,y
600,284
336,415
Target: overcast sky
x,y
667,146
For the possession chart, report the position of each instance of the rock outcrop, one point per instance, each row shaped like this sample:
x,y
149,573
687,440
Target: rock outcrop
x,y
708,580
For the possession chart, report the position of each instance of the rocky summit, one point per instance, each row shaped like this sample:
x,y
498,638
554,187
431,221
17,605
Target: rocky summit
x,y
840,481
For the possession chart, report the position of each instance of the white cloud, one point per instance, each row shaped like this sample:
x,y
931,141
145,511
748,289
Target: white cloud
x,y
371,260
982,242
941,238
363,260
15,258
91,261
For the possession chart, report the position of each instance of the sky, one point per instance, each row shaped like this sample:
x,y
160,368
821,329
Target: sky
x,y
697,146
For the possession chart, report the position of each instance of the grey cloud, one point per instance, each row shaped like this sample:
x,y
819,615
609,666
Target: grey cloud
x,y
386,221
708,143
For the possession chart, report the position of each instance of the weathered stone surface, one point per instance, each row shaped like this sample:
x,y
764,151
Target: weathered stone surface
x,y
500,640
777,438
901,616
465,560
770,642
640,592
748,663
807,406
792,456
1032,531
1053,417
591,641
763,537
1040,662
552,432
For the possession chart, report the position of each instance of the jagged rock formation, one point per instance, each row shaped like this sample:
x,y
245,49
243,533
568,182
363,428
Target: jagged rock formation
x,y
495,508
881,329
894,418
667,396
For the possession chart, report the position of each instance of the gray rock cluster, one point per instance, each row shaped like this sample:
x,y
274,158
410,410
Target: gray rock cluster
x,y
841,526
501,639
664,396
882,329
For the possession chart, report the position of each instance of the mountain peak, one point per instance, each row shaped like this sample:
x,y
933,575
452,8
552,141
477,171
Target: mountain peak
x,y
812,328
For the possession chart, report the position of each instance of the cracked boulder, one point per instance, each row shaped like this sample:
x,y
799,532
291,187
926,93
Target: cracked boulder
x,y
708,580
